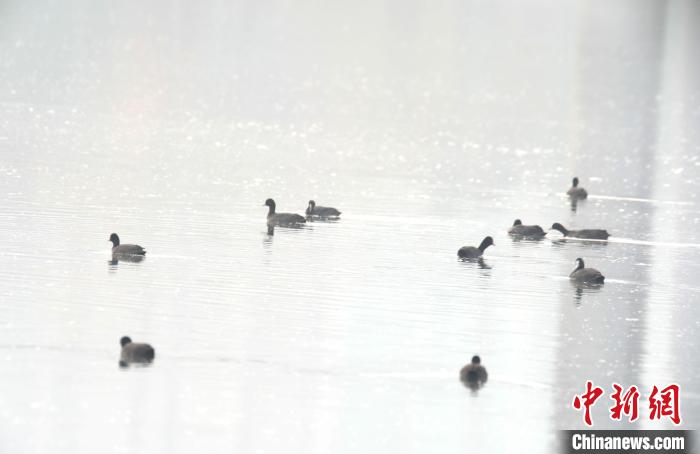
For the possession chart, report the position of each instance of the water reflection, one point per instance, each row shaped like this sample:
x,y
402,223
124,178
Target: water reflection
x,y
116,258
137,364
573,203
479,261
582,288
483,264
527,239
591,244
473,387
322,219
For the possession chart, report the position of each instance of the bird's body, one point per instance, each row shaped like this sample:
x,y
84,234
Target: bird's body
x,y
474,374
471,252
518,229
282,219
125,249
585,234
133,352
583,275
575,192
285,219
321,212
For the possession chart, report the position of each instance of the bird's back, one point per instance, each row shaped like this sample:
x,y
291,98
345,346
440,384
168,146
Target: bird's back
x,y
590,275
137,353
325,212
526,230
578,193
473,374
285,219
129,249
469,252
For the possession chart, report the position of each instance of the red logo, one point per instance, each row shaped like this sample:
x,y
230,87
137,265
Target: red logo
x,y
668,405
625,404
587,400
663,403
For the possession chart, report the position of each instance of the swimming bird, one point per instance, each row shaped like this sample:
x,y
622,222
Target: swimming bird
x,y
135,352
322,212
474,375
584,275
282,219
125,249
586,234
471,252
518,229
575,192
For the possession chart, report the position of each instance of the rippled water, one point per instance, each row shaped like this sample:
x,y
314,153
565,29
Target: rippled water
x,y
430,127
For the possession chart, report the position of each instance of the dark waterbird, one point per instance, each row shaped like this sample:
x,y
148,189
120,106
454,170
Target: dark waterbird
x,y
586,234
125,249
282,219
575,192
474,375
583,275
532,231
135,352
471,252
322,212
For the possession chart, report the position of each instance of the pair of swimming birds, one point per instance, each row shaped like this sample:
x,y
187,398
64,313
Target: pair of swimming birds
x,y
535,231
291,219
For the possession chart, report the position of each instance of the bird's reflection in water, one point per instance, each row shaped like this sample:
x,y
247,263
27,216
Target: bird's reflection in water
x,y
292,226
116,258
526,238
112,265
268,239
322,219
582,288
565,242
126,364
472,387
271,228
573,202
480,262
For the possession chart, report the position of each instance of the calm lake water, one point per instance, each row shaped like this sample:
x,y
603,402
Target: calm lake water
x,y
430,126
